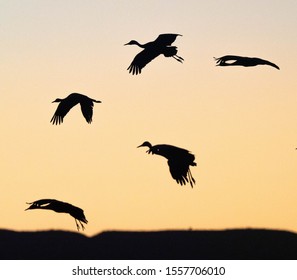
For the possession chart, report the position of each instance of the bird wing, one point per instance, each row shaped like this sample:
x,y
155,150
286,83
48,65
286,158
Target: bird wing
x,y
180,171
87,109
42,201
169,151
179,161
223,59
62,110
265,62
142,59
166,39
230,57
244,61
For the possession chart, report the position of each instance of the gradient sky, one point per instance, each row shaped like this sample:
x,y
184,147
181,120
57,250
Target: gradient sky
x,y
241,123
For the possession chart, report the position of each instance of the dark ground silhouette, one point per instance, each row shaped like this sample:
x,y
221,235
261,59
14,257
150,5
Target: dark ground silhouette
x,y
237,244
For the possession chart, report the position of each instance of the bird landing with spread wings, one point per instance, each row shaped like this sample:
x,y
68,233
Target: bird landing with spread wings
x,y
179,161
162,45
86,105
60,207
233,60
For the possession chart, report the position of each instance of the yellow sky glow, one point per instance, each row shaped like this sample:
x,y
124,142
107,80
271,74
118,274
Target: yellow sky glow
x,y
241,123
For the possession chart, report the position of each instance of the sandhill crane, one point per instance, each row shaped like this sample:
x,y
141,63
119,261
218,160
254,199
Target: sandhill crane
x,y
243,61
179,161
162,45
86,105
60,207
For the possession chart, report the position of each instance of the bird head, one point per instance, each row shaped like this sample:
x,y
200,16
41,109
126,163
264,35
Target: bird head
x,y
132,42
146,144
57,100
32,206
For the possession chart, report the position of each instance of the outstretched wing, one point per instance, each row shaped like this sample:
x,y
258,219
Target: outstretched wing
x,y
243,61
261,61
230,57
142,59
62,110
222,60
166,39
180,171
42,201
87,109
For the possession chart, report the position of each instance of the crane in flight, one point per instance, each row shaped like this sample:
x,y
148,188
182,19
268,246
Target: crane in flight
x,y
179,161
86,105
233,60
60,207
162,45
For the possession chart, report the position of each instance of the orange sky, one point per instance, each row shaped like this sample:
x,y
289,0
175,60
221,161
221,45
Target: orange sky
x,y
241,123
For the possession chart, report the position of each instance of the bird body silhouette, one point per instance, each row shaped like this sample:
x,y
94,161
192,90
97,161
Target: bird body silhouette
x,y
242,61
179,161
60,207
86,104
162,45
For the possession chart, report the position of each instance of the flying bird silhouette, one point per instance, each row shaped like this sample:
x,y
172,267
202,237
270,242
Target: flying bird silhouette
x,y
60,207
243,61
179,161
86,105
162,45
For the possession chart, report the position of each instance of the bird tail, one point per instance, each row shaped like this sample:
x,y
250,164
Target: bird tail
x,y
191,159
83,219
172,52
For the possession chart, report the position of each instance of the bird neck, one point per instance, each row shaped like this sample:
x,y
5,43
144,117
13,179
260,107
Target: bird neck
x,y
140,45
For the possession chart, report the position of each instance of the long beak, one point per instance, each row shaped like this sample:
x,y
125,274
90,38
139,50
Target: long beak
x,y
126,44
143,146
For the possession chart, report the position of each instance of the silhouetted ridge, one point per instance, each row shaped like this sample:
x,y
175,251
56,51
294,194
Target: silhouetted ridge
x,y
41,245
225,244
